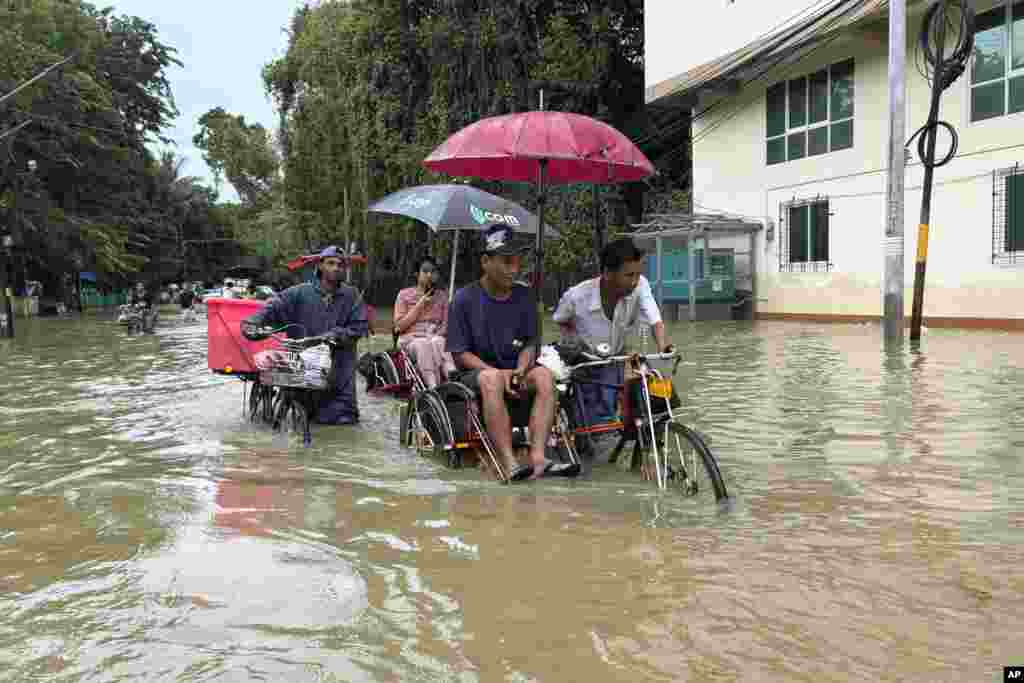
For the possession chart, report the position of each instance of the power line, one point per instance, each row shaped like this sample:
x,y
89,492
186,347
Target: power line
x,y
694,117
37,77
51,119
778,27
12,131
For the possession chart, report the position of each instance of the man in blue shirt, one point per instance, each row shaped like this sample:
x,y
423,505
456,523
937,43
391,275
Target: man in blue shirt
x,y
326,306
492,328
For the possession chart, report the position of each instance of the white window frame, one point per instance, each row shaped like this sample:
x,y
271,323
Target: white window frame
x,y
807,127
1008,75
786,247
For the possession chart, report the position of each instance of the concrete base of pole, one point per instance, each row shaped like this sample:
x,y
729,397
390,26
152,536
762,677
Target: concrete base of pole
x,y
892,302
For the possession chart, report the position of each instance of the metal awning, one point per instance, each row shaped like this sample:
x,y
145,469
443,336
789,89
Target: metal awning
x,y
693,225
689,226
785,46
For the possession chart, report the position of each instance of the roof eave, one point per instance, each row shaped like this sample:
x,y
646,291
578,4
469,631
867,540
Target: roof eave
x,y
725,73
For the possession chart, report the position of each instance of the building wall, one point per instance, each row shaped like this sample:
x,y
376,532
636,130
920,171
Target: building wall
x,y
731,174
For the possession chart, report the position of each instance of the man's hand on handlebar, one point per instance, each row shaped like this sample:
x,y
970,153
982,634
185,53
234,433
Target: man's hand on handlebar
x,y
254,332
340,339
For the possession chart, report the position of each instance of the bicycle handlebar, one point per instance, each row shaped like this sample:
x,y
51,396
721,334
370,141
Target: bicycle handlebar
x,y
624,358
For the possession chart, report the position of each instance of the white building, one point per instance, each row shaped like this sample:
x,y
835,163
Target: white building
x,y
791,127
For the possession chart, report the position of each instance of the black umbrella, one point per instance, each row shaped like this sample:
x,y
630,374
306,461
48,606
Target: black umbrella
x,y
457,207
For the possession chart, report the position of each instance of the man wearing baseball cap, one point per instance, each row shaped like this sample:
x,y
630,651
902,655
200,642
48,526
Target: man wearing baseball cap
x,y
492,327
325,307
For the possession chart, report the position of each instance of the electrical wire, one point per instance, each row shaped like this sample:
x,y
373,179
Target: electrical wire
x,y
72,124
687,120
13,130
942,71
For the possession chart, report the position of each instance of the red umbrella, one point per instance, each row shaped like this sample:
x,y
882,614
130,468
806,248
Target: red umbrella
x,y
542,147
303,261
576,149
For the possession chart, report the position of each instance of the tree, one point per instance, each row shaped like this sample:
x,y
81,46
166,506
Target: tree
x,y
243,152
367,89
92,201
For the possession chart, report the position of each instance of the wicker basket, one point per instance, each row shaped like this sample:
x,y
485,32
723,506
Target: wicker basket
x,y
306,369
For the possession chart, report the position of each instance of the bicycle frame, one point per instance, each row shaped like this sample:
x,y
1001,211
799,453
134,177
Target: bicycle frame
x,y
640,365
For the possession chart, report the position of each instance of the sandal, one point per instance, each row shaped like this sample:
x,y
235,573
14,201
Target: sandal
x,y
562,469
520,473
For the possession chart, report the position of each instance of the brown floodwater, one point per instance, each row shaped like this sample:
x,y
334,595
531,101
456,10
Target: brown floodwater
x,y
148,532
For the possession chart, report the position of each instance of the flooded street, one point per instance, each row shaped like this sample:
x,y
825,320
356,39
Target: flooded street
x,y
148,532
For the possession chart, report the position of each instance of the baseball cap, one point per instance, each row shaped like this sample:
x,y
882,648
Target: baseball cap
x,y
502,240
332,250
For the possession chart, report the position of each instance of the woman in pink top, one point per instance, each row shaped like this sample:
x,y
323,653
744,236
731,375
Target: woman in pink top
x,y
421,321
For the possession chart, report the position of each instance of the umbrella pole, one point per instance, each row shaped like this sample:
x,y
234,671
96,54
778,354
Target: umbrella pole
x,y
455,255
539,255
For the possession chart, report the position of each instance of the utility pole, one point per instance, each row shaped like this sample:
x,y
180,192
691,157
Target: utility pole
x,y
946,66
892,287
930,133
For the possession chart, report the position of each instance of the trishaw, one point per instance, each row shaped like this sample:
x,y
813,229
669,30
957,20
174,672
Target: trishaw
x,y
550,147
665,450
446,421
286,375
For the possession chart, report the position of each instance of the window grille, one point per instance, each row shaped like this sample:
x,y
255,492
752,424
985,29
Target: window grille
x,y
1008,216
804,236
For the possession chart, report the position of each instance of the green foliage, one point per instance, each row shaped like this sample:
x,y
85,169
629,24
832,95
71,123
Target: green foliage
x,y
97,198
241,151
367,89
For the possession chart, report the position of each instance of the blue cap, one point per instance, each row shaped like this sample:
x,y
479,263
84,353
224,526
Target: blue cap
x,y
500,239
334,251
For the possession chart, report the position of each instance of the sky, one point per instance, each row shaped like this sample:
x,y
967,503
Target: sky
x,y
223,45
674,43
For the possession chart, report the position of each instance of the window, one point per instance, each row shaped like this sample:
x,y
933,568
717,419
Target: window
x,y
1008,216
810,115
997,72
805,238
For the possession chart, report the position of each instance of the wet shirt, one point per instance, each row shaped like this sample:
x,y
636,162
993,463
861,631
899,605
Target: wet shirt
x,y
433,319
489,328
304,307
311,314
581,307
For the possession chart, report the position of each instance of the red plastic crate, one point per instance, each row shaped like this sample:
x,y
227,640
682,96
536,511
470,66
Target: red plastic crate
x,y
227,351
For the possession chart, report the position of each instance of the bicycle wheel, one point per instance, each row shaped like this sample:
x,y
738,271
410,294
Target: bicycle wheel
x,y
692,467
298,421
566,440
282,402
406,424
582,443
270,395
386,368
256,398
432,415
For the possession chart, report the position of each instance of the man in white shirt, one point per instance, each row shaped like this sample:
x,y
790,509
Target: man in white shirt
x,y
607,309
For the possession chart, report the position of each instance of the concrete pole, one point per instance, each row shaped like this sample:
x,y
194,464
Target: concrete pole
x,y
753,276
659,273
892,287
691,255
